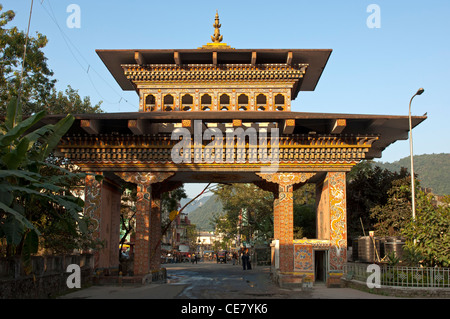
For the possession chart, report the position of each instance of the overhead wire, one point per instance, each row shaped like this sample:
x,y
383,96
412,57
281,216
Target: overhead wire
x,y
24,56
72,47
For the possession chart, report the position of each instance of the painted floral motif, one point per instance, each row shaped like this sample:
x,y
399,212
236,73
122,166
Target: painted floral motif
x,y
303,257
338,234
92,198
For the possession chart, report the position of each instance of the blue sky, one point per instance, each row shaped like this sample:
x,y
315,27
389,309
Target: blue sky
x,y
371,70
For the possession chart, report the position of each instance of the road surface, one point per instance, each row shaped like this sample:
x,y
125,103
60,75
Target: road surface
x,y
209,280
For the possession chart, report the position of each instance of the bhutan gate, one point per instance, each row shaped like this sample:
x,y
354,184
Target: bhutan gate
x,y
223,115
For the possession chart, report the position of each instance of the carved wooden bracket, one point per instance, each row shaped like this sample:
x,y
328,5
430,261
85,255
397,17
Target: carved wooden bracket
x,y
144,178
286,179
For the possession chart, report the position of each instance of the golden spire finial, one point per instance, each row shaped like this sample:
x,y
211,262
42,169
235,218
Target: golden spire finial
x,y
216,38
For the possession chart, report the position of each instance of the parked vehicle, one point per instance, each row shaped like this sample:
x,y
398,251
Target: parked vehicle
x,y
222,256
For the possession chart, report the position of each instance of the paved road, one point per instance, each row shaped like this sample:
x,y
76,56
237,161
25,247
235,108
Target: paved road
x,y
209,280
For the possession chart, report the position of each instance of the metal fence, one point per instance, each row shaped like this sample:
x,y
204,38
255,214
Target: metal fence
x,y
399,276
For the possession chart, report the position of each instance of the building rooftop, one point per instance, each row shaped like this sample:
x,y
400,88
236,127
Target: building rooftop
x,y
316,59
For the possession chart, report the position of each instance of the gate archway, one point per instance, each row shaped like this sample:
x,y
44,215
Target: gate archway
x,y
275,148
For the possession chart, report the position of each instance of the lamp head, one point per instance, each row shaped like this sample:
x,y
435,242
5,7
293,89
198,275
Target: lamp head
x,y
420,91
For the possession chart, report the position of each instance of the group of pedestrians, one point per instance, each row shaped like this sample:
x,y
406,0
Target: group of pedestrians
x,y
245,258
246,262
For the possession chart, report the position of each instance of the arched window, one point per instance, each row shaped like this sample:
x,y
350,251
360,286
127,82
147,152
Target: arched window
x,y
186,102
150,103
243,102
168,102
279,102
206,102
224,102
261,102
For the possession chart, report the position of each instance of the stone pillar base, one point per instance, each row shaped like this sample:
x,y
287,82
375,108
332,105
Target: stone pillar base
x,y
289,280
296,280
334,280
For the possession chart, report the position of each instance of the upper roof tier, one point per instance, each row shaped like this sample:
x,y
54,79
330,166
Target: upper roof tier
x,y
316,59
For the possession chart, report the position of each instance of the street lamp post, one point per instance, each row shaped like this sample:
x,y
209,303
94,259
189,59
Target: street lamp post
x,y
413,196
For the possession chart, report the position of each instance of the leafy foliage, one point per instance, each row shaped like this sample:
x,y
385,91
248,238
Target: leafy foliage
x,y
37,83
38,87
367,187
431,231
428,237
28,198
393,216
248,210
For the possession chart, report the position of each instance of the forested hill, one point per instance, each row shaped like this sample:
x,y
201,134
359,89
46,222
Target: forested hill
x,y
203,215
432,170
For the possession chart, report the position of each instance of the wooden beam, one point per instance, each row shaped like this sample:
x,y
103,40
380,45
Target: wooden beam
x,y
377,122
237,123
254,58
289,58
338,126
288,126
214,56
177,58
90,126
186,123
139,58
136,127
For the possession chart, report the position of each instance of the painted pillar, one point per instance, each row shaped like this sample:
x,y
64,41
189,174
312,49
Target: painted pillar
x,y
142,237
283,219
147,253
332,222
93,209
155,231
102,205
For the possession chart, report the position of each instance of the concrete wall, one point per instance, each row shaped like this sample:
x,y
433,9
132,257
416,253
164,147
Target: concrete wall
x,y
47,278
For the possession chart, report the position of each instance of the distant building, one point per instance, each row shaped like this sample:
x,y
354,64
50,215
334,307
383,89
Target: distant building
x,y
206,239
176,237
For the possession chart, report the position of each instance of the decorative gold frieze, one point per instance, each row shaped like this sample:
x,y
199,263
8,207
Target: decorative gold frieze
x,y
144,149
210,72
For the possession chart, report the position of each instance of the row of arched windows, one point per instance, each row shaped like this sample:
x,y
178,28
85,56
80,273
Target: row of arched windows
x,y
187,101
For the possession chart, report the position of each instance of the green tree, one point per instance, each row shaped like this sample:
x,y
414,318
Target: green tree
x,y
248,211
304,221
393,216
127,211
37,83
38,87
170,202
305,212
367,187
35,189
70,101
429,235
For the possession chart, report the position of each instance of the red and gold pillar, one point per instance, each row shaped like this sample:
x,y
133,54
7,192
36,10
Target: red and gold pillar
x,y
332,222
155,231
147,253
283,219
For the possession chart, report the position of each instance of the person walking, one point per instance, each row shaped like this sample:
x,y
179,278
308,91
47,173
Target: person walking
x,y
245,258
